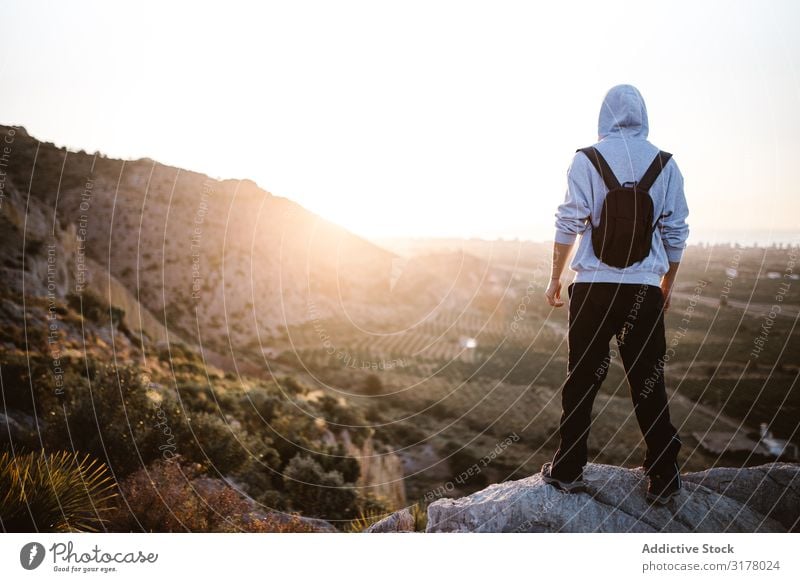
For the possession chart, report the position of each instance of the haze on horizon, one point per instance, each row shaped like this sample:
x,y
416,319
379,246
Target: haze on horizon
x,y
427,119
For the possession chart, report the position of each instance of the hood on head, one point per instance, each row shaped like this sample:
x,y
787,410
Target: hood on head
x,y
623,113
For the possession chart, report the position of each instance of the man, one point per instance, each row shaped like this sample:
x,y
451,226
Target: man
x,y
623,301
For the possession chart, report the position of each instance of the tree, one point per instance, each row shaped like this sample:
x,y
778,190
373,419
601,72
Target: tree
x,y
317,492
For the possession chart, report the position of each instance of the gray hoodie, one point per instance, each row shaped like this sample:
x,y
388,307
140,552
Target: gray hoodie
x,y
622,130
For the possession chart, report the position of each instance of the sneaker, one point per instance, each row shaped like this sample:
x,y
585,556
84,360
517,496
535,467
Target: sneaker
x,y
576,486
663,488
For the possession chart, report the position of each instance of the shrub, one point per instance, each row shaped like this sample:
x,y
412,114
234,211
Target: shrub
x,y
265,407
21,377
213,442
439,410
117,416
95,308
58,492
293,434
261,466
403,433
335,458
292,386
173,496
317,492
343,417
111,417
375,415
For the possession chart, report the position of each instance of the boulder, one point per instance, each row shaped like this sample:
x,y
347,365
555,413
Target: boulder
x,y
755,499
772,490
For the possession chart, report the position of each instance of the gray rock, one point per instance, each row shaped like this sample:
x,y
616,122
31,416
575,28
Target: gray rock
x,y
615,502
18,425
399,521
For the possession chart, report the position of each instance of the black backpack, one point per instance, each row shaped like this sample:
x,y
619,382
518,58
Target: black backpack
x,y
624,234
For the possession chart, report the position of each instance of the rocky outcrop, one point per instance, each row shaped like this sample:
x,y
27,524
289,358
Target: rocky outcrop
x,y
55,262
753,499
381,473
772,490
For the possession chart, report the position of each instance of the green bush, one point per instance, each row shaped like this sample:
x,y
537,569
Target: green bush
x,y
111,416
116,414
404,433
265,407
95,308
335,458
292,386
319,493
341,417
212,442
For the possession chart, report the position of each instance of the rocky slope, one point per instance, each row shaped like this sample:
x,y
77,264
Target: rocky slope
x,y
754,499
223,262
46,260
77,240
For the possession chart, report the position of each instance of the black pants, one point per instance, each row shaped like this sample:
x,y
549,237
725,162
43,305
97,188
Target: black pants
x,y
634,314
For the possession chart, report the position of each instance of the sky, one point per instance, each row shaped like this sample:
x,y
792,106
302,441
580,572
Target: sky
x,y
426,119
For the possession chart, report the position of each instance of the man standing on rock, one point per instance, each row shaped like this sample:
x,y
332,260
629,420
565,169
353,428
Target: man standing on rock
x,y
625,201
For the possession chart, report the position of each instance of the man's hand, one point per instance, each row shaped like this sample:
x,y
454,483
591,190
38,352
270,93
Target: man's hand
x,y
666,291
553,293
666,283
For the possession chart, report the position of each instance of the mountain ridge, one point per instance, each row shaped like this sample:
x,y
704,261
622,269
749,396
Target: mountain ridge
x,y
222,262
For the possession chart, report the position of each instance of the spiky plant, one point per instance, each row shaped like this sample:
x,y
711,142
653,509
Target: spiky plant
x,y
365,518
53,492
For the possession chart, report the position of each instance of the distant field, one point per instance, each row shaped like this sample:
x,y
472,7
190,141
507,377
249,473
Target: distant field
x,y
443,405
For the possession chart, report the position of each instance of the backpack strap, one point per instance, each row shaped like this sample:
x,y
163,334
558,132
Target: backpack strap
x,y
602,167
653,171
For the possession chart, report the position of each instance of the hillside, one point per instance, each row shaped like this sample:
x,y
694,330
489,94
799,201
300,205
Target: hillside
x,y
302,369
86,367
221,262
